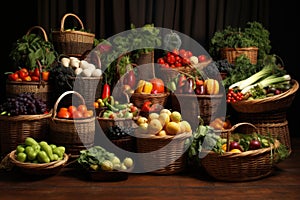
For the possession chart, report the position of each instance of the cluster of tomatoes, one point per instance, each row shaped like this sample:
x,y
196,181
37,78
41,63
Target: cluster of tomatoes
x,y
234,96
75,112
178,58
24,74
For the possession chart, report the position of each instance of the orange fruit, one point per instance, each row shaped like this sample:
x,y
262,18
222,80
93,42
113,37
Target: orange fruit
x,y
63,113
88,113
77,114
82,108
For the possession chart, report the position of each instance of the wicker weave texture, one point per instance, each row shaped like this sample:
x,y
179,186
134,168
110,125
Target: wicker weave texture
x,y
139,99
170,153
72,42
15,129
232,53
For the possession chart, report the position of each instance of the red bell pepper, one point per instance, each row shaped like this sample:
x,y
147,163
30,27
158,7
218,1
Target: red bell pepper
x,y
146,106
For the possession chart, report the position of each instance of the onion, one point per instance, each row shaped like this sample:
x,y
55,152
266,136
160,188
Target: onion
x,y
235,145
254,144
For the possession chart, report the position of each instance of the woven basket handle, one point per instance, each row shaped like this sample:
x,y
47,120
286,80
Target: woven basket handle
x,y
62,24
235,127
40,28
62,96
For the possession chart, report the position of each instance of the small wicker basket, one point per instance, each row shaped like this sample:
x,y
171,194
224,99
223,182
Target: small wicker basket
x,y
138,99
74,134
15,129
232,53
245,166
72,42
162,155
40,169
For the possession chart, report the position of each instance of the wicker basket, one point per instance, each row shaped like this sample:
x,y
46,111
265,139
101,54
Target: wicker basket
x,y
245,166
43,90
162,155
74,134
72,42
139,99
39,169
194,105
89,88
15,129
280,102
232,53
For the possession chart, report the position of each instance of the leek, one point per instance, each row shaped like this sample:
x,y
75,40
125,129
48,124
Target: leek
x,y
267,81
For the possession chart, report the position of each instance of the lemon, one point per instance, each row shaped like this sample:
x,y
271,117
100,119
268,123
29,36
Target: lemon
x,y
175,116
165,110
173,128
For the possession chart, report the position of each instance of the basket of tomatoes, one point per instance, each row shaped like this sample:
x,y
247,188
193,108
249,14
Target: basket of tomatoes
x,y
72,126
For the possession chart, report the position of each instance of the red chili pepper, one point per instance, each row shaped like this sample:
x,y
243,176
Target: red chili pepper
x,y
146,106
106,91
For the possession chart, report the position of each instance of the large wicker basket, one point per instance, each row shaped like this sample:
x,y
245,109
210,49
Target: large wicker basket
x,y
162,155
232,53
15,129
72,42
245,166
44,169
274,103
74,134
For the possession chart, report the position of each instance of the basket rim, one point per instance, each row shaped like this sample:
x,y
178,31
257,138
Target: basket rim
x,y
27,117
268,99
246,153
12,156
239,48
167,137
150,95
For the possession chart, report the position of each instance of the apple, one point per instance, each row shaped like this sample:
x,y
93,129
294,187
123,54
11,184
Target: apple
x,y
202,58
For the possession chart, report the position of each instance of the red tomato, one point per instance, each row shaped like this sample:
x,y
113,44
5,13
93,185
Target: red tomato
x,y
35,78
182,52
158,85
202,58
36,72
13,77
178,64
171,59
175,51
160,61
23,73
189,54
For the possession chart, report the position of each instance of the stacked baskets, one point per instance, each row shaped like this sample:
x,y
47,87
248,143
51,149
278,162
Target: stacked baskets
x,y
269,114
72,42
41,89
74,134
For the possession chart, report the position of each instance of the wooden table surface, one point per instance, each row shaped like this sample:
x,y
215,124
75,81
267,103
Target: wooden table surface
x,y
70,183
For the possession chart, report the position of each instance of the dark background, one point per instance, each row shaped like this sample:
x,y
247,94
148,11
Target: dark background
x,y
197,18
